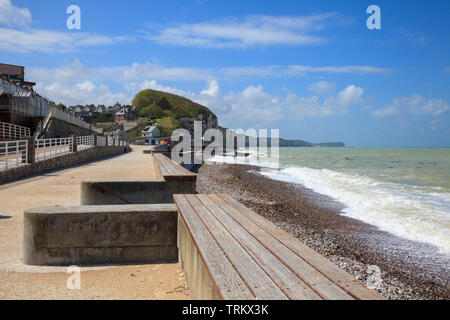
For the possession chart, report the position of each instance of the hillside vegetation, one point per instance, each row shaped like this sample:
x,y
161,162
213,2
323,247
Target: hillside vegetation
x,y
159,104
166,109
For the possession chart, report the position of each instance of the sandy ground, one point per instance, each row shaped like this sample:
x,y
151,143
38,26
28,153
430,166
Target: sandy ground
x,y
18,281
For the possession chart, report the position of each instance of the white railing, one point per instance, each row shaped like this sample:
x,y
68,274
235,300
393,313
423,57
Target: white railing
x,y
67,117
9,87
72,119
85,142
47,148
12,131
13,153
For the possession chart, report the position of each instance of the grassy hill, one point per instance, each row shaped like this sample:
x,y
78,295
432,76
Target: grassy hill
x,y
159,104
166,109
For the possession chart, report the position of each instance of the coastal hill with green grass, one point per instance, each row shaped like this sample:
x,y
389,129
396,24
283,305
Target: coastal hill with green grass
x,y
170,112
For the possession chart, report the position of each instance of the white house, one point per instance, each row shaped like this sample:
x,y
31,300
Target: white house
x,y
151,131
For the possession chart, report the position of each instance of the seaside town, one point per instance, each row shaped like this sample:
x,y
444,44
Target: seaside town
x,y
152,193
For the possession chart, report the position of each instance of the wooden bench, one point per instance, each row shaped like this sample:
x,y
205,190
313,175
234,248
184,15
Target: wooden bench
x,y
229,252
172,171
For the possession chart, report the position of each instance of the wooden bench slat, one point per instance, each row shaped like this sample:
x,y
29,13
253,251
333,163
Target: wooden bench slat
x,y
258,281
318,262
224,275
165,169
172,171
315,280
288,281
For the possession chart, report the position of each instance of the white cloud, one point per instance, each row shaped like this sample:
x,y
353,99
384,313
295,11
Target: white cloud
x,y
351,96
154,85
82,93
47,41
11,15
414,104
18,36
248,32
136,73
322,87
296,70
252,105
251,108
87,85
213,89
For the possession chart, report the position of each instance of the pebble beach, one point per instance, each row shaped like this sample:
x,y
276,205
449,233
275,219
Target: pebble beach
x,y
316,220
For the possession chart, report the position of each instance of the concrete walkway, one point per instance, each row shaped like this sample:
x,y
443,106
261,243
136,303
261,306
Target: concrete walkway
x,y
18,281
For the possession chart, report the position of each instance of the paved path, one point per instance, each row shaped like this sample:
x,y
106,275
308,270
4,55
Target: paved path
x,y
18,281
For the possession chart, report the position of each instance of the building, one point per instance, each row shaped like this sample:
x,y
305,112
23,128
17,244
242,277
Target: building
x,y
152,135
12,72
124,115
101,109
19,103
151,131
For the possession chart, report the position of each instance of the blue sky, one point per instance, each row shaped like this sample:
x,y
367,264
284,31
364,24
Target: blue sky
x,y
310,68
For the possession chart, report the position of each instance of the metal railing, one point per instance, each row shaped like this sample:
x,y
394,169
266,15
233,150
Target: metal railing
x,y
13,153
72,119
12,131
85,142
47,148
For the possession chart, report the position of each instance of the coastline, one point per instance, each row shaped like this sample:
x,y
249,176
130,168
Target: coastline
x,y
316,221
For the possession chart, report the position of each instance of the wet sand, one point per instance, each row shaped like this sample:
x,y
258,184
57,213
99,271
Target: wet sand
x,y
409,270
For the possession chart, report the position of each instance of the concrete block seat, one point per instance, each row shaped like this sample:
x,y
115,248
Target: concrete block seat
x,y
91,235
229,252
174,179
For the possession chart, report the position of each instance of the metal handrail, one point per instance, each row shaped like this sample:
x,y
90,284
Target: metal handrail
x,y
12,131
47,148
13,153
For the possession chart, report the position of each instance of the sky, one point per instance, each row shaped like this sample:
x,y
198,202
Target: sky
x,y
312,69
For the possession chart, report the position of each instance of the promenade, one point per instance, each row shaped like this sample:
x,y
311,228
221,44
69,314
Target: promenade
x,y
18,281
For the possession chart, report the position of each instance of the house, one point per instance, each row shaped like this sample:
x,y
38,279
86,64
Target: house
x,y
115,107
151,131
100,109
124,115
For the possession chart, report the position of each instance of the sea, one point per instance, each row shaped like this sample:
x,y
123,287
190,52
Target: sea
x,y
403,191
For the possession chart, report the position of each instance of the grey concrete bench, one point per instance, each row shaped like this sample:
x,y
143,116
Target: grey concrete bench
x,y
94,235
175,180
229,252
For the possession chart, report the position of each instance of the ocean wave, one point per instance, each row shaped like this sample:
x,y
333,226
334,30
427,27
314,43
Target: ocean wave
x,y
411,212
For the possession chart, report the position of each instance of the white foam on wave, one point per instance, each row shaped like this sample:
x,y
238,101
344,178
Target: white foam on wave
x,y
411,212
254,159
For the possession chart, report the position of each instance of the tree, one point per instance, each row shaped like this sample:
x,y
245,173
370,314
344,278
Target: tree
x,y
164,104
61,105
151,111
